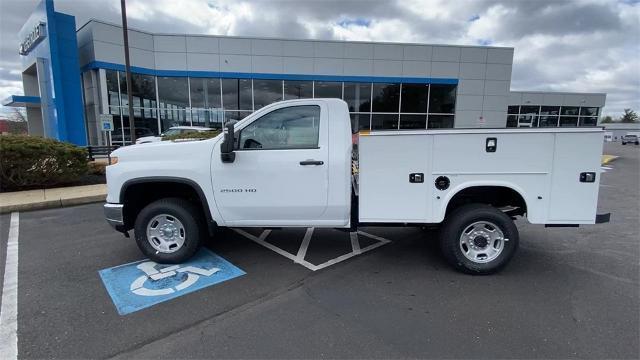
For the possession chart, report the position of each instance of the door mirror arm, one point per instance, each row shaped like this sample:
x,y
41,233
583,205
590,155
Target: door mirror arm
x,y
227,155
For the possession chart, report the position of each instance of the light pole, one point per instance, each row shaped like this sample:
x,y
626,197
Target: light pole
x,y
125,35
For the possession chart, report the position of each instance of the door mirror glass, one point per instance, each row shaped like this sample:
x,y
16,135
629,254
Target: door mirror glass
x,y
226,149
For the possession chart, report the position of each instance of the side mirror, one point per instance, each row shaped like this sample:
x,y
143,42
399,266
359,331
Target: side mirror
x,y
226,148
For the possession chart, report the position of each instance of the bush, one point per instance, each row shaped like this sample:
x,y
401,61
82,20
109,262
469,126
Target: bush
x,y
193,135
30,161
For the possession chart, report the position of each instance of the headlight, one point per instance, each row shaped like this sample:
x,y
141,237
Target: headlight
x,y
114,160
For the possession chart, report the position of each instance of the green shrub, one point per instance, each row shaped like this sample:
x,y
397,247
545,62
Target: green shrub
x,y
193,135
30,161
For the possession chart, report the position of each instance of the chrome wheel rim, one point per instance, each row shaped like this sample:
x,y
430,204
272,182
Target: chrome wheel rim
x,y
482,242
165,233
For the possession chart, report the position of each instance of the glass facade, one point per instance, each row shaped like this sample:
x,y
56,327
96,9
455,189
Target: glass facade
x,y
162,102
551,116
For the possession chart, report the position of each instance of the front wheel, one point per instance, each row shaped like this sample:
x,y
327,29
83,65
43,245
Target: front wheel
x,y
169,230
478,239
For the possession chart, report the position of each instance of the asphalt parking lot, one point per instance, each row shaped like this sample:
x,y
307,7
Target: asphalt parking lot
x,y
568,293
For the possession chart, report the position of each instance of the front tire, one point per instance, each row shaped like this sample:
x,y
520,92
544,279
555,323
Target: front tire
x,y
169,231
478,239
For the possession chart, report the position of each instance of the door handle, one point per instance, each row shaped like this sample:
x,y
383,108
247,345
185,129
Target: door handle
x,y
311,162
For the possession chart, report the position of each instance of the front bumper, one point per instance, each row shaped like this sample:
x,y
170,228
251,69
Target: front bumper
x,y
114,215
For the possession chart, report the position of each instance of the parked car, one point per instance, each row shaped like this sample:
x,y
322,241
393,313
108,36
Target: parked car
x,y
116,135
630,139
175,130
289,164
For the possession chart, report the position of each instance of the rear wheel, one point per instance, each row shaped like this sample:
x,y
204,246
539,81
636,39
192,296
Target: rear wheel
x,y
169,230
478,239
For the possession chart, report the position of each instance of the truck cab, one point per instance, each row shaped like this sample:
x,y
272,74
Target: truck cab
x,y
292,164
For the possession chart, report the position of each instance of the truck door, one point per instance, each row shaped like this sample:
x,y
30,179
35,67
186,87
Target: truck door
x,y
279,176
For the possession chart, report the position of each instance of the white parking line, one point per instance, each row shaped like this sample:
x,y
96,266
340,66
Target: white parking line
x,y
9,309
302,251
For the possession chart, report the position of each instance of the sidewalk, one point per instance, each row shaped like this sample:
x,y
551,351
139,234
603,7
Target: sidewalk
x,y
51,198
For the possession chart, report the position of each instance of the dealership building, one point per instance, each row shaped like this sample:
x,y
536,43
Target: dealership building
x,y
71,77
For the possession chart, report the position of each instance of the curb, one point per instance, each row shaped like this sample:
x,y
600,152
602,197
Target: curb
x,y
52,204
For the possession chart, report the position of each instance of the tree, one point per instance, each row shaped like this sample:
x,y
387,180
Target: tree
x,y
629,116
606,120
17,123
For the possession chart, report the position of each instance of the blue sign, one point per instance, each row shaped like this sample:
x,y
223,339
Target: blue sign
x,y
144,283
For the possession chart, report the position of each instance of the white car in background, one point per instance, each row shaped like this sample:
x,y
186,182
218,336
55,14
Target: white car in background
x,y
175,130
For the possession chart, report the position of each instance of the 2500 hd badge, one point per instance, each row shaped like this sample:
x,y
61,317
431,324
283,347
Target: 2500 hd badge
x,y
237,190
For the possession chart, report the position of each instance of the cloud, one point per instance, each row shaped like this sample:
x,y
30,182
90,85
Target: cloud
x,y
560,45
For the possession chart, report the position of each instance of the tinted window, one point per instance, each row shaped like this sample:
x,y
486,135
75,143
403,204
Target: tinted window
x,y
513,109
550,110
205,93
588,121
236,94
440,121
266,92
360,122
413,121
569,110
384,122
568,121
531,110
512,120
327,89
442,99
144,87
548,121
358,96
589,111
298,90
112,87
173,91
386,97
414,98
295,127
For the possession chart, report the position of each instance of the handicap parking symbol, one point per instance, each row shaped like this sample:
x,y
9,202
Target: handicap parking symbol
x,y
144,283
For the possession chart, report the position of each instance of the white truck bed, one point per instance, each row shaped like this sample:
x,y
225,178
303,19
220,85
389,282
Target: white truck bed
x,y
542,165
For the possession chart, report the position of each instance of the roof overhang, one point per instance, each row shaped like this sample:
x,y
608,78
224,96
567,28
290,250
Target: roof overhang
x,y
22,101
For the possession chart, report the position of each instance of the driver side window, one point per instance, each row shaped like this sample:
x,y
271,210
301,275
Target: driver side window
x,y
295,127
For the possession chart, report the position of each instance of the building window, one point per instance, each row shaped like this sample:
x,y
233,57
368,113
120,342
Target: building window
x,y
568,121
298,90
384,121
548,121
588,121
205,93
360,121
550,110
236,94
569,110
266,92
413,121
513,109
442,99
386,98
588,111
440,121
327,89
358,96
512,121
414,98
173,94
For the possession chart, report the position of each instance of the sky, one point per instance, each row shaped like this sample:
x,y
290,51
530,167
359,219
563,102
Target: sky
x,y
572,45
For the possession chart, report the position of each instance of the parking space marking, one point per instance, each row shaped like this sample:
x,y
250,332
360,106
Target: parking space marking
x,y
299,257
9,309
141,284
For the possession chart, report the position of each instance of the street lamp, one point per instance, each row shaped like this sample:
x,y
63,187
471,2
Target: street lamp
x,y
125,35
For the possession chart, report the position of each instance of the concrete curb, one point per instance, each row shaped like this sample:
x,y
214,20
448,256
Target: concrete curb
x,y
51,198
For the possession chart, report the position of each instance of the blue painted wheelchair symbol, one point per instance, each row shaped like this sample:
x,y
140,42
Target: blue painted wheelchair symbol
x,y
144,283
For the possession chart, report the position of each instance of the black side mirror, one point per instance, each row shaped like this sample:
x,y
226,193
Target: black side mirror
x,y
226,149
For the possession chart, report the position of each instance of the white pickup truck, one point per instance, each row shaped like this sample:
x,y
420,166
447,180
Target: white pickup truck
x,y
293,164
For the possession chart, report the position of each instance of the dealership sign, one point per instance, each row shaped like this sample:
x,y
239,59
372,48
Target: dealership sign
x,y
35,36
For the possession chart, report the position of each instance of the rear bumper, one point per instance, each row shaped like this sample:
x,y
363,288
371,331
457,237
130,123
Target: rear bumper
x,y
113,215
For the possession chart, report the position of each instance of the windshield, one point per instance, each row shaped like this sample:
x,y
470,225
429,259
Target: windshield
x,y
172,132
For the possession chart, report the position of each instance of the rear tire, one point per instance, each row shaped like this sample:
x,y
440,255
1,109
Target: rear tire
x,y
169,231
478,239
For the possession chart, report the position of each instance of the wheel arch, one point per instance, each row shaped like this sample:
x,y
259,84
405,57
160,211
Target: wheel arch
x,y
137,193
495,193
